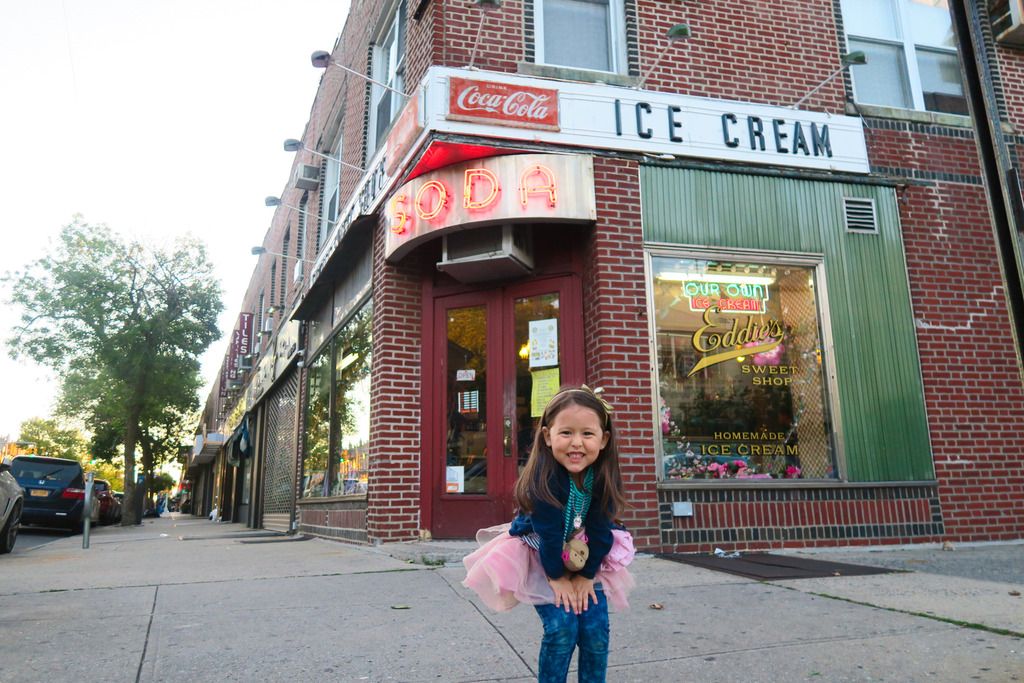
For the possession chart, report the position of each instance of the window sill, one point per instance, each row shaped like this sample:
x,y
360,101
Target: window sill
x,y
917,116
565,73
331,499
784,483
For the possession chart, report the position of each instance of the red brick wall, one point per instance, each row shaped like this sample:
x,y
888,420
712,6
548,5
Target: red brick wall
x,y
393,499
616,339
972,381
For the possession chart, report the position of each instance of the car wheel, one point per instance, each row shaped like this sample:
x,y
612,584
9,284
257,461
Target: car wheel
x,y
9,534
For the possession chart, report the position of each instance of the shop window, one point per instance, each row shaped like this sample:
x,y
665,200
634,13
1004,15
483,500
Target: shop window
x,y
338,413
582,34
741,387
389,69
351,420
318,431
911,54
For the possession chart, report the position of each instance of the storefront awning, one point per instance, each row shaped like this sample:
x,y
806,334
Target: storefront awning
x,y
205,449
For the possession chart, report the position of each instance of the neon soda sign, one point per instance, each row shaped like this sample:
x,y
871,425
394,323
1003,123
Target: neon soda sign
x,y
434,196
514,188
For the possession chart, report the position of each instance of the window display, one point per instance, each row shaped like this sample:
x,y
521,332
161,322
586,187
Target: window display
x,y
741,386
338,413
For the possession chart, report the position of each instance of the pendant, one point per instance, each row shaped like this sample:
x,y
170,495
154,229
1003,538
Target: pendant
x,y
577,522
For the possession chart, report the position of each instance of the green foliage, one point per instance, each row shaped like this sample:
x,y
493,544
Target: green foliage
x,y
123,324
53,440
162,482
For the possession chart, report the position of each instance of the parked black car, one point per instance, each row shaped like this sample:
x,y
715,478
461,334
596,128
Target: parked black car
x,y
54,492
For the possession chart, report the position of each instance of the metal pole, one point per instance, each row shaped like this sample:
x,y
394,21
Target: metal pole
x,y
87,512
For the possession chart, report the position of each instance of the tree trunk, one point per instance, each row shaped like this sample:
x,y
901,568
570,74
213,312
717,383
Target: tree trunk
x,y
147,469
129,515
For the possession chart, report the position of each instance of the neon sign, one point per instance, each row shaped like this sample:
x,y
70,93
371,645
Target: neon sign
x,y
530,187
727,297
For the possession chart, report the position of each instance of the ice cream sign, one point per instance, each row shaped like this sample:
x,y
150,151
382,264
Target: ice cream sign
x,y
727,293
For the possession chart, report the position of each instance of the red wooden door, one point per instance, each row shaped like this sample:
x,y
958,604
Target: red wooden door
x,y
498,356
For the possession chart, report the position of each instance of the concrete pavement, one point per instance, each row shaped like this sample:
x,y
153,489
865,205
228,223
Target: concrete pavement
x,y
185,599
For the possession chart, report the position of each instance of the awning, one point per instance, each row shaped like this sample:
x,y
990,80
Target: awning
x,y
205,450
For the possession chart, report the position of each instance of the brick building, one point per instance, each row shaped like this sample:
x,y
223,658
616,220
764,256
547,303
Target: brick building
x,y
777,261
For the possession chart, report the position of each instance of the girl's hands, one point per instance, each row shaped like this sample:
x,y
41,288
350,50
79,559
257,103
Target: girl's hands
x,y
566,595
584,589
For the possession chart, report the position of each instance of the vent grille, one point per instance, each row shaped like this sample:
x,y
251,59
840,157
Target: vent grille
x,y
859,214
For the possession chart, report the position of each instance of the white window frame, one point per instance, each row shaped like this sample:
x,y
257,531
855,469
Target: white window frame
x,y
616,41
388,67
902,19
332,191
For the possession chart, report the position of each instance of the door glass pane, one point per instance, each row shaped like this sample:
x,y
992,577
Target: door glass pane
x,y
576,33
742,390
538,364
883,80
466,400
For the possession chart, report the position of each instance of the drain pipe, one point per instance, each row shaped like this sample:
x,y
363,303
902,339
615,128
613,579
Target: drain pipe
x,y
1004,200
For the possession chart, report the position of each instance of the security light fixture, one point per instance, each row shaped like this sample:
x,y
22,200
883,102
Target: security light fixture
x,y
676,34
321,59
855,58
259,251
276,201
293,145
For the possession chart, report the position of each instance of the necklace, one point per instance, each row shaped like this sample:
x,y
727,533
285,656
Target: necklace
x,y
578,504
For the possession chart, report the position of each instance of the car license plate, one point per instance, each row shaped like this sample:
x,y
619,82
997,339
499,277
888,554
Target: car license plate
x,y
39,493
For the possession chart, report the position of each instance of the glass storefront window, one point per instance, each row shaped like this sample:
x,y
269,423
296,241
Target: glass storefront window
x,y
338,413
352,348
741,387
314,462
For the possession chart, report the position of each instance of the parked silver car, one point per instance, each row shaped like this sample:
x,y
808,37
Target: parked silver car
x,y
12,500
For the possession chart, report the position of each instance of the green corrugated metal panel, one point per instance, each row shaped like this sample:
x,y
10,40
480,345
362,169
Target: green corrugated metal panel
x,y
884,426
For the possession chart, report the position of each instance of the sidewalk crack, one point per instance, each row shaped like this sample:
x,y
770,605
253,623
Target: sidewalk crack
x,y
149,627
491,623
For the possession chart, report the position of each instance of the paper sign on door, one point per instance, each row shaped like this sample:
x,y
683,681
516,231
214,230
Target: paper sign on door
x,y
545,385
543,343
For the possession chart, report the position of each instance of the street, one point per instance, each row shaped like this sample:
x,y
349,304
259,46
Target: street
x,y
179,598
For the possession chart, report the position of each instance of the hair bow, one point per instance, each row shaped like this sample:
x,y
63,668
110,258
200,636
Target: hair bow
x,y
596,393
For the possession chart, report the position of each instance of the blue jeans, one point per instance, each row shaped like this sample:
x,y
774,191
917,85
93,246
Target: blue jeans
x,y
563,631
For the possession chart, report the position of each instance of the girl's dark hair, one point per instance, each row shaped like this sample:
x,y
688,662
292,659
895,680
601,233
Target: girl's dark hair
x,y
535,481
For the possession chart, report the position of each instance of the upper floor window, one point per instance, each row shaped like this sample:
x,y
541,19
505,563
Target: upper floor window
x,y
911,52
583,34
389,69
330,188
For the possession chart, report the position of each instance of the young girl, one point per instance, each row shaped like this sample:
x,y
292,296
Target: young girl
x,y
563,553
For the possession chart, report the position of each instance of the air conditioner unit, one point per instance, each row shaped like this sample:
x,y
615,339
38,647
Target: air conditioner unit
x,y
268,324
1007,21
297,271
493,253
307,177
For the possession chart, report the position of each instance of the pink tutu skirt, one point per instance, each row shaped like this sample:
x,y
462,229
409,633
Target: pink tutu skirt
x,y
504,571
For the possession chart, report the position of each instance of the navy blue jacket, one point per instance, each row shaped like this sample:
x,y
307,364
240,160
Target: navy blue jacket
x,y
549,523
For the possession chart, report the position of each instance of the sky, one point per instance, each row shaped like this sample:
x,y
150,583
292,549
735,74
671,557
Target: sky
x,y
157,118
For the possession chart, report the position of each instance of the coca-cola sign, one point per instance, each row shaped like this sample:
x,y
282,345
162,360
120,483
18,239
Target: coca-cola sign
x,y
505,104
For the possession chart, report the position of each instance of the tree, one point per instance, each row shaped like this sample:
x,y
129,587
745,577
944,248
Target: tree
x,y
123,324
53,440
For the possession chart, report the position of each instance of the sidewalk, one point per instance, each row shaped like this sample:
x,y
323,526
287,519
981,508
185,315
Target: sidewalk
x,y
186,599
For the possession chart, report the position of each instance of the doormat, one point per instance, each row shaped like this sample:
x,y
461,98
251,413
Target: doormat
x,y
768,567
